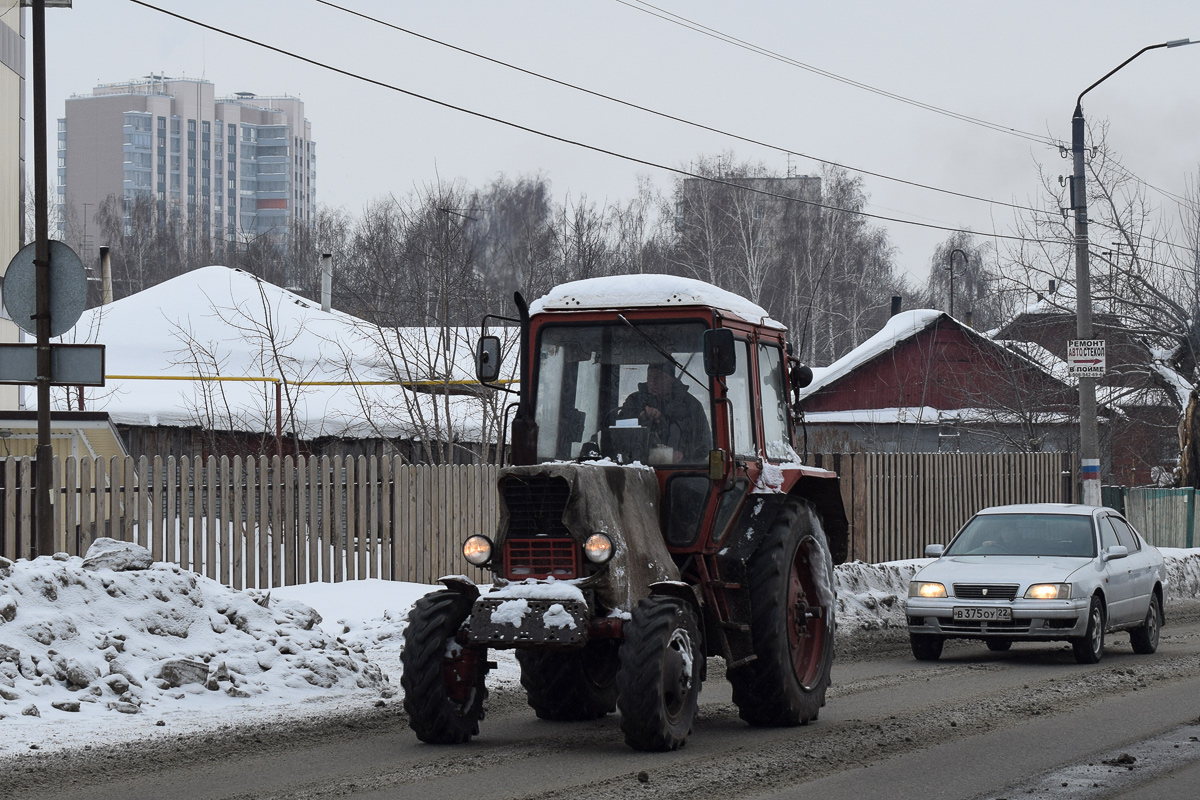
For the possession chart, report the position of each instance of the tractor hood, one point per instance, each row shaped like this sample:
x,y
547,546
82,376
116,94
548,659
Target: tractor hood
x,y
602,497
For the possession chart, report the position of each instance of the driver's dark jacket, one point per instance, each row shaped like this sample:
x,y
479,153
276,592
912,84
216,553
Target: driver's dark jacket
x,y
683,424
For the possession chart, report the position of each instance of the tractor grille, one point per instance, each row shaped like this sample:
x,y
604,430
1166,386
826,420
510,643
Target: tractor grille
x,y
535,505
541,557
991,591
538,544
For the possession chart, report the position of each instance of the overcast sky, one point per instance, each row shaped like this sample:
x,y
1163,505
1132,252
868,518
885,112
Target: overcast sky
x,y
1019,65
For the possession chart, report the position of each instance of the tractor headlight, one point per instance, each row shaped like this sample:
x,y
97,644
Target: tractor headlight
x,y
598,548
1048,591
926,589
478,550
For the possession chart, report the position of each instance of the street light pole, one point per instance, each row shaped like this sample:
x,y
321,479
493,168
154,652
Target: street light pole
x,y
1089,445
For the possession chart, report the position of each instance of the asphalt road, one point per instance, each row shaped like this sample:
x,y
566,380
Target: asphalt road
x,y
1025,723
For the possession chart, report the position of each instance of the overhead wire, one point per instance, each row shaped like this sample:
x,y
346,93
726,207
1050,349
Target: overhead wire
x,y
562,139
669,116
677,19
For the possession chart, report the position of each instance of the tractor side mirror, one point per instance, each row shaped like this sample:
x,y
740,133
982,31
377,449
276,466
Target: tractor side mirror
x,y
800,375
716,465
487,359
719,356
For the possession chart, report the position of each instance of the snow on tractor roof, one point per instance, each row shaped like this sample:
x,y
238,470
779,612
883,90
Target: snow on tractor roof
x,y
643,291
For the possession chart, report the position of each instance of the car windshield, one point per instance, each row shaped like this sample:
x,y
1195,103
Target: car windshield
x,y
1026,535
606,389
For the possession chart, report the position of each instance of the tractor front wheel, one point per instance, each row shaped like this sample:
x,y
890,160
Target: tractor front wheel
x,y
659,679
443,681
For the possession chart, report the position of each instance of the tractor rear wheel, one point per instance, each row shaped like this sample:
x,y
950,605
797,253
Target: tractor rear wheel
x,y
572,684
792,624
659,679
443,681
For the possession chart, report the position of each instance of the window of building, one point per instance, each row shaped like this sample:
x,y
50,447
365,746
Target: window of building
x,y
175,125
191,126
219,130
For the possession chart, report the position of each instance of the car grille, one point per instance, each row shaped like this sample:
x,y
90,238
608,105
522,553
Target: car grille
x,y
990,591
974,626
541,557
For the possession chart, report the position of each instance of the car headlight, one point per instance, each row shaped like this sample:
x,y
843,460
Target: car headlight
x,y
926,589
1048,591
598,548
478,550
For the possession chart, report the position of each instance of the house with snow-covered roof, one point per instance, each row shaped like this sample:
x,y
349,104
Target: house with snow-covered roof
x,y
928,383
1139,439
220,361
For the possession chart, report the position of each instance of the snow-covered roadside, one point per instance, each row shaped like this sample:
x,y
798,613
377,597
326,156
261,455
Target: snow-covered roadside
x,y
113,655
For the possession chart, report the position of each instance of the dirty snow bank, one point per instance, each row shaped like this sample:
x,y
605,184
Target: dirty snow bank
x,y
103,635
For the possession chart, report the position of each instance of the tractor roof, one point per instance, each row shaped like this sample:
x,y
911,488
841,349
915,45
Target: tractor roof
x,y
648,291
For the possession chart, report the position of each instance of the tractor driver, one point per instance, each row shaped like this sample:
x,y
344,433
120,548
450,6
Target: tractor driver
x,y
675,418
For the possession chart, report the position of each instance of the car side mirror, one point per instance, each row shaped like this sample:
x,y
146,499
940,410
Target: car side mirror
x,y
1116,551
487,359
934,550
719,356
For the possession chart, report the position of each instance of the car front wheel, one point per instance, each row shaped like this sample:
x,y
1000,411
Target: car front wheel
x,y
1090,647
926,646
1145,638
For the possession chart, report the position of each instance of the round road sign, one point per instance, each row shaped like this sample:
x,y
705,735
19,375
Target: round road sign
x,y
68,288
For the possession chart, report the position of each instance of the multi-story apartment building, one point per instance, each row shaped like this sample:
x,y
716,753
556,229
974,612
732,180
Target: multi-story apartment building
x,y
233,168
12,161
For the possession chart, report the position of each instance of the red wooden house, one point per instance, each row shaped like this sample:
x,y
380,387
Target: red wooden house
x,y
927,383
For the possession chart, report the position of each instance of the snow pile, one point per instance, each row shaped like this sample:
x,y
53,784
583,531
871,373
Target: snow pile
x,y
872,596
102,634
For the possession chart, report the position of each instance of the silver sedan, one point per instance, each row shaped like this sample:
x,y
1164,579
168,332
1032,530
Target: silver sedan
x,y
1039,572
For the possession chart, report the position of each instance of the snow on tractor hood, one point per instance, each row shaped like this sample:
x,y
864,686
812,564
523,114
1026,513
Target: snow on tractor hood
x,y
622,502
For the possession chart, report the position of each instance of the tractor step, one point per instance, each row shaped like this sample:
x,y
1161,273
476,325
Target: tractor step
x,y
735,626
725,584
741,661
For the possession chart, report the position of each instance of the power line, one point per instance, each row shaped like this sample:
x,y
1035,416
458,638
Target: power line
x,y
665,115
562,139
676,19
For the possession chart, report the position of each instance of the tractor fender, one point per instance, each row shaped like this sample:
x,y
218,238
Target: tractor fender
x,y
461,584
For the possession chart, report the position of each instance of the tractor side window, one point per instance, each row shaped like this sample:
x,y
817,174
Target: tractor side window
x,y
774,404
741,399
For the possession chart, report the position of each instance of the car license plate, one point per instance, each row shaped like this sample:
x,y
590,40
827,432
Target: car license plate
x,y
984,614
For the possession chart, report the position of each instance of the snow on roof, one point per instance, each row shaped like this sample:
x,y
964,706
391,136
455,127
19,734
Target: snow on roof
x,y
1179,386
902,326
221,322
928,415
641,291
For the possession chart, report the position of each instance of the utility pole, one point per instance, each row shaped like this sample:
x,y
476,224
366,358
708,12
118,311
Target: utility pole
x,y
44,539
1089,439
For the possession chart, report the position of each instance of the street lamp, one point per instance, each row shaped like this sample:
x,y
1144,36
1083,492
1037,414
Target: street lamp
x,y
1089,449
950,269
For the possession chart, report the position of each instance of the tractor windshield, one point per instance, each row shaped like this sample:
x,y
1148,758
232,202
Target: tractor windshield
x,y
609,390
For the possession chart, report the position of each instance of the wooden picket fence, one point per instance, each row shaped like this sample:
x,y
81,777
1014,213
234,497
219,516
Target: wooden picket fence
x,y
264,522
899,502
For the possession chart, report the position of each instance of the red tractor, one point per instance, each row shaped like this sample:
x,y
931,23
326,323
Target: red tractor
x,y
654,513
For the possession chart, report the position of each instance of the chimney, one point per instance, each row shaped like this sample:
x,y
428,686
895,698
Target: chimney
x,y
1052,286
969,318
106,295
326,280
896,300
